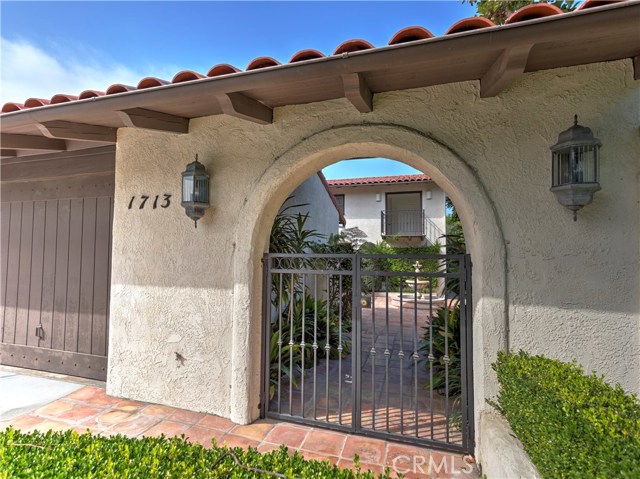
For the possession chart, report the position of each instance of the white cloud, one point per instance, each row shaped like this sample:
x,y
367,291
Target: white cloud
x,y
29,71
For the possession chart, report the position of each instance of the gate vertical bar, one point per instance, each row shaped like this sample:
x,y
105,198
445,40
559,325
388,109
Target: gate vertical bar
x,y
468,385
266,335
356,322
463,349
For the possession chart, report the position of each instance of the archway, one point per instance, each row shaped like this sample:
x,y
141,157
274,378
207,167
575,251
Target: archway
x,y
448,169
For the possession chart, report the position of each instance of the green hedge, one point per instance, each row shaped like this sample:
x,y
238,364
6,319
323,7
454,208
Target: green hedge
x,y
69,455
571,425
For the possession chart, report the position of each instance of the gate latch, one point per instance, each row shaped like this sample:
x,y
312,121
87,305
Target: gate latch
x,y
40,332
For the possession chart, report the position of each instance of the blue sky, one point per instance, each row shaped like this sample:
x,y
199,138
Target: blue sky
x,y
66,47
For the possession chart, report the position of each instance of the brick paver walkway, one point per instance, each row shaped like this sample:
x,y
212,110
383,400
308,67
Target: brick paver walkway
x,y
90,407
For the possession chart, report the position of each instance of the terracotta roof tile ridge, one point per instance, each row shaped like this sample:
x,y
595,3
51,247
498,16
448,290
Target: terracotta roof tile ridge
x,y
368,180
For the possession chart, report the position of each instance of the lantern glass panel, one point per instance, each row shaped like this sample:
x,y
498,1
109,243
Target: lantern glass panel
x,y
201,190
187,189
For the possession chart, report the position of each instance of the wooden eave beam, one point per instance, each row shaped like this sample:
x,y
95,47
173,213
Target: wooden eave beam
x,y
242,106
11,153
31,142
357,92
77,131
153,120
509,65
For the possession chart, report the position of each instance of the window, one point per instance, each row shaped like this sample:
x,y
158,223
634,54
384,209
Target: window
x,y
340,200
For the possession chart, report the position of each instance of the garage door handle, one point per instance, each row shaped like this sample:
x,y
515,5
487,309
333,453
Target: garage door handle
x,y
40,332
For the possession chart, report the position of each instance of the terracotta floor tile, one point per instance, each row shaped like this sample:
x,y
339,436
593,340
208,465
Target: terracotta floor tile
x,y
158,410
129,406
50,424
85,393
308,455
168,428
55,408
80,413
113,416
324,442
100,398
216,422
347,464
204,435
368,450
135,426
256,431
238,441
189,417
25,423
291,436
268,447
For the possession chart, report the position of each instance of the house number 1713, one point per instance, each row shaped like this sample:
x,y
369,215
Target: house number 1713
x,y
142,201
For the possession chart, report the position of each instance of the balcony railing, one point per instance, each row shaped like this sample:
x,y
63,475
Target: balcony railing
x,y
403,223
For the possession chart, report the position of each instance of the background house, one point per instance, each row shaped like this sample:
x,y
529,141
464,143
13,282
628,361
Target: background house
x,y
404,210
314,198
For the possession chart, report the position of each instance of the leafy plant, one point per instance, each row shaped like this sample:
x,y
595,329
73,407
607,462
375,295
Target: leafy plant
x,y
444,340
499,10
571,425
62,455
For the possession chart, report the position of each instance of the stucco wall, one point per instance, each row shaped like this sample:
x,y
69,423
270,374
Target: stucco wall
x,y
363,210
314,200
541,281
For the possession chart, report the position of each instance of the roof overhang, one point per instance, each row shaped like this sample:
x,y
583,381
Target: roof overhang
x,y
493,56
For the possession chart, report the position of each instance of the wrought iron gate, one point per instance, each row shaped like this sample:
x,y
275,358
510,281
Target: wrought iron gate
x,y
378,345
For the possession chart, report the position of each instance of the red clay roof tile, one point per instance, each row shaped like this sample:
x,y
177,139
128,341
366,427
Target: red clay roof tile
x,y
62,98
36,102
308,54
186,75
378,180
351,46
262,62
532,11
529,12
118,88
150,82
410,34
468,24
11,106
222,69
595,3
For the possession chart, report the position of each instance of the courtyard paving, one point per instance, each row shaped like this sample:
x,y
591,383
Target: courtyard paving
x,y
91,408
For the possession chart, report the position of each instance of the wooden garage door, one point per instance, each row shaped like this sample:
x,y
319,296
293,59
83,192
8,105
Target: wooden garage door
x,y
56,277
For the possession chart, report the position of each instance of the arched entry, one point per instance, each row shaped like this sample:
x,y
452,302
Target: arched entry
x,y
449,170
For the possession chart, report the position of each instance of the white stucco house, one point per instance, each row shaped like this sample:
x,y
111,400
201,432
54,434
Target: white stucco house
x,y
314,199
404,210
104,276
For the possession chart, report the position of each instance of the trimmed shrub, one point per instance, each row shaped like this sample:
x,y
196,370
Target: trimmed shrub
x,y
70,455
571,425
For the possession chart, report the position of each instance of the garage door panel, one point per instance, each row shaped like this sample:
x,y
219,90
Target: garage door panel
x,y
87,266
49,271
37,263
24,279
60,284
5,218
13,270
101,276
74,275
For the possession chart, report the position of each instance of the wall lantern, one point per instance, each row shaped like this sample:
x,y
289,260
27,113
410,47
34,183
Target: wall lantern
x,y
575,167
195,190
